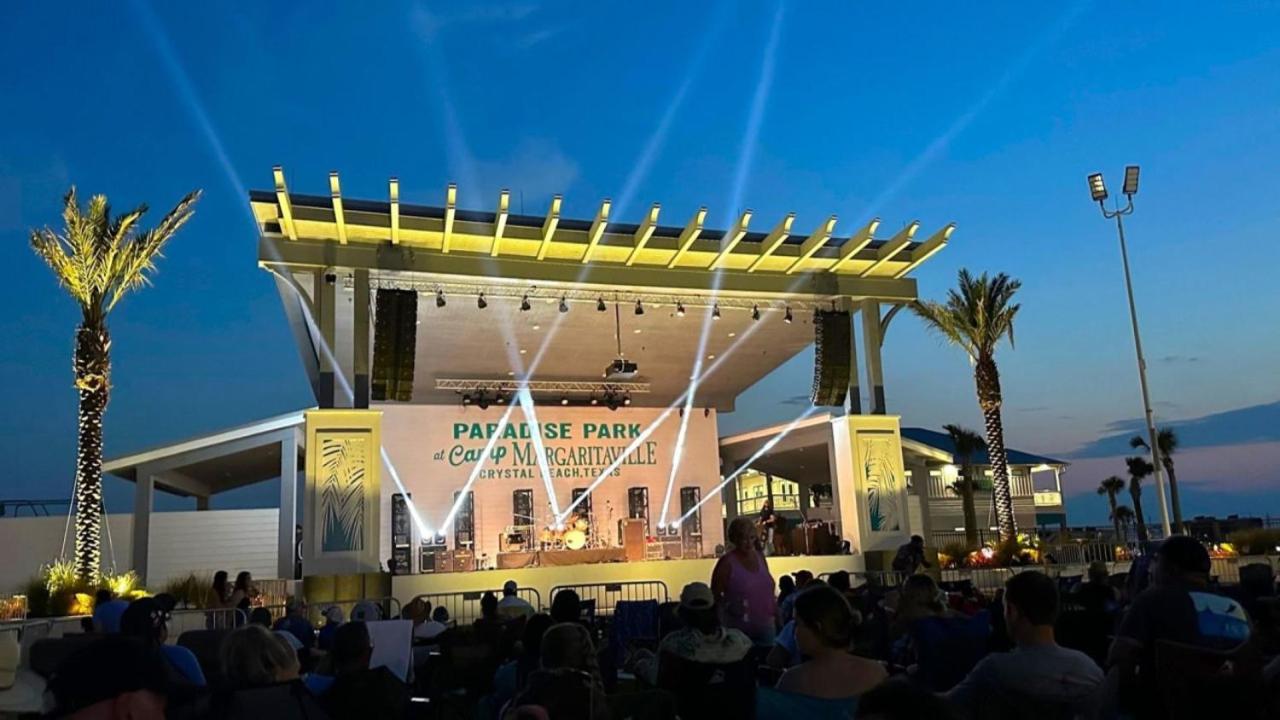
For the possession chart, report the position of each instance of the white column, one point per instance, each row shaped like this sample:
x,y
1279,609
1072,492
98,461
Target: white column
x,y
143,495
288,518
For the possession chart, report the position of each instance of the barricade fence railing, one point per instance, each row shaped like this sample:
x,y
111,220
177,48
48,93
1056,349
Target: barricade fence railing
x,y
185,619
606,596
464,607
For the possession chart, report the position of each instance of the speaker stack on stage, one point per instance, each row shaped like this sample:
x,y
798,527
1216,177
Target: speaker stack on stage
x,y
401,536
633,538
833,332
395,335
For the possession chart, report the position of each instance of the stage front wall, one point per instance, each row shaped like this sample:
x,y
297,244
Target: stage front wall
x,y
435,449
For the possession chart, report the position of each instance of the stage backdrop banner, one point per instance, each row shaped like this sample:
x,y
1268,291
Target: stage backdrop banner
x,y
436,450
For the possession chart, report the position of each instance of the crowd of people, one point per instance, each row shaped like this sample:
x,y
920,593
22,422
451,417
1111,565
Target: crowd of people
x,y
739,645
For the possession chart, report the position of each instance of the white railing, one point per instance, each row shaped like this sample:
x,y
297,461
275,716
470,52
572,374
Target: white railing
x,y
1048,498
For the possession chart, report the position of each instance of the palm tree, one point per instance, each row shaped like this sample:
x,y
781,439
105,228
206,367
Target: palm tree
x,y
98,259
966,443
1122,516
1167,439
977,316
1111,487
1139,468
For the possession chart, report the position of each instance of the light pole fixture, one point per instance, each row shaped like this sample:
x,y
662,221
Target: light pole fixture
x,y
1098,191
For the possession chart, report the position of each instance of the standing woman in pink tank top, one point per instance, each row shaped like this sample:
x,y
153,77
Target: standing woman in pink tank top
x,y
743,586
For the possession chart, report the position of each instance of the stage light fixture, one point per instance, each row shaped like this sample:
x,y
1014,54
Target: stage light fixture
x,y
564,400
679,309
595,400
482,401
600,306
500,398
639,308
481,302
1131,180
706,412
627,401
1097,188
440,302
787,318
715,311
611,401
524,304
564,306
466,399
755,312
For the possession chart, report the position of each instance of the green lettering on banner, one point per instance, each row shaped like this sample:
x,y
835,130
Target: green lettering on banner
x,y
458,429
634,430
588,430
523,453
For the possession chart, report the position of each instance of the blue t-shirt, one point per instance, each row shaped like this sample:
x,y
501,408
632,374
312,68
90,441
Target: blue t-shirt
x,y
184,661
107,615
787,641
299,628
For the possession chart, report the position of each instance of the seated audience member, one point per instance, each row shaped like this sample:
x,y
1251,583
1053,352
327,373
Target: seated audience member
x,y
358,690
261,672
512,606
1096,595
824,630
488,610
146,620
701,639
107,609
568,683
786,608
919,598
1038,677
513,674
295,622
366,611
566,607
332,619
786,586
261,617
903,700
114,677
431,629
1178,607
785,652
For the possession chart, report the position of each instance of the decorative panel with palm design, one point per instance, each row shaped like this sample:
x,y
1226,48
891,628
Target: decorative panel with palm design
x,y
340,491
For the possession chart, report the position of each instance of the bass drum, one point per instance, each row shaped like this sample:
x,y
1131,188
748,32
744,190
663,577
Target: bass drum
x,y
575,540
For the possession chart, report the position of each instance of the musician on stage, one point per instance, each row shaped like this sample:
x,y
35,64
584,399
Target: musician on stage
x,y
767,523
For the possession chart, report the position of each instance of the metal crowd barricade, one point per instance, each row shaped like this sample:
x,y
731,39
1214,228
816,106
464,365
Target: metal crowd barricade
x,y
606,596
464,607
181,621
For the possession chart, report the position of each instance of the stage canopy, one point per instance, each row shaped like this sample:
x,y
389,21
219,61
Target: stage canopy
x,y
763,277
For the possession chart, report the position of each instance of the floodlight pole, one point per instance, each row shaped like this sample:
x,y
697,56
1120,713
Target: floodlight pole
x,y
1152,435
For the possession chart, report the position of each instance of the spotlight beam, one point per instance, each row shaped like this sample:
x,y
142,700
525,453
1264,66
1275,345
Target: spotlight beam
x,y
531,416
773,441
475,471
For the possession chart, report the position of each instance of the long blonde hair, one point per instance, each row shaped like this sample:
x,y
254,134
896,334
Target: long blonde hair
x,y
253,656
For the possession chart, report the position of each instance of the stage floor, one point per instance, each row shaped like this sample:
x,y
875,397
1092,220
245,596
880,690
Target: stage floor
x,y
675,573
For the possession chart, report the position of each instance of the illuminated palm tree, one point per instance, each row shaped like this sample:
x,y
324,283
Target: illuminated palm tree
x,y
1167,439
1122,516
1139,468
977,316
1111,487
966,443
98,259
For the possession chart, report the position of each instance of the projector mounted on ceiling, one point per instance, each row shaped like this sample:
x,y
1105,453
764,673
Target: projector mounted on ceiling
x,y
621,370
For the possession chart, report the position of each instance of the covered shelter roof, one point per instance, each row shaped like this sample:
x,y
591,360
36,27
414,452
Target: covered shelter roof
x,y
217,462
761,279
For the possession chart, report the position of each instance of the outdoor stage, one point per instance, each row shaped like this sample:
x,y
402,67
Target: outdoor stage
x,y
675,574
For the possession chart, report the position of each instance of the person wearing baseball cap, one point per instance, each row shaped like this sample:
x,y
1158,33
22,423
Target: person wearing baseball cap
x,y
147,620
512,606
701,639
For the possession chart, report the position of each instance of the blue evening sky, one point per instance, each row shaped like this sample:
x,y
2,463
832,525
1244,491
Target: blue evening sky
x,y
988,115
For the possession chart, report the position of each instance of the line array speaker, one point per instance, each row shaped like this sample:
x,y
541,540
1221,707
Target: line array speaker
x,y
395,334
833,332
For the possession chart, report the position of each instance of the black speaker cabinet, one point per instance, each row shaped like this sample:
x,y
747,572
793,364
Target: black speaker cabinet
x,y
833,333
395,335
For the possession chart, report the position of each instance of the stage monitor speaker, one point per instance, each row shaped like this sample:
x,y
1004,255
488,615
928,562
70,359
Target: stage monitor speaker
x,y
395,335
401,536
464,561
426,560
833,332
633,538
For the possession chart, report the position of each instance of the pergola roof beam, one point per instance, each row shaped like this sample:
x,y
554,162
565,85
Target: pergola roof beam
x,y
855,244
500,221
926,249
731,239
597,229
549,226
335,195
644,232
286,207
688,236
776,237
450,210
895,245
394,195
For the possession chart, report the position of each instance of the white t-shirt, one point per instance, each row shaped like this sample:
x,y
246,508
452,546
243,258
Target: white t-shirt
x,y
513,606
428,630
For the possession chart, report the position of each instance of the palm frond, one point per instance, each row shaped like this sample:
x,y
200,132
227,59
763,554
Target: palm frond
x,y
976,315
1136,442
137,254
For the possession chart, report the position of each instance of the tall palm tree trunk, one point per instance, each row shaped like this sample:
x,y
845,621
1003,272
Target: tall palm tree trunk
x,y
970,512
1173,492
987,379
1135,492
1115,521
92,368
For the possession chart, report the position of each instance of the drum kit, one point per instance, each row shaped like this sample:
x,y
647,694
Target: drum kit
x,y
575,534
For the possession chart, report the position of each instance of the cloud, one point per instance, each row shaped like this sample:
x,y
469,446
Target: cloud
x,y
537,169
797,400
1253,424
1235,468
1031,409
537,37
1172,359
430,23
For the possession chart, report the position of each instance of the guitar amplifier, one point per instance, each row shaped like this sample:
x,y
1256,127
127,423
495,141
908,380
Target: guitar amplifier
x,y
672,548
633,540
444,561
464,561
